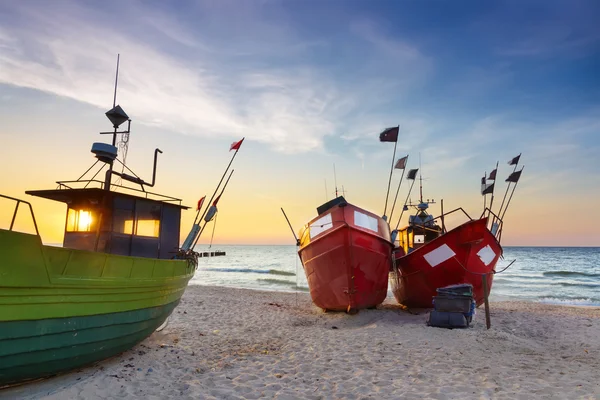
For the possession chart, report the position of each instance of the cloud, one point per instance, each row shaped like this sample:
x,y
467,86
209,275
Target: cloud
x,y
175,75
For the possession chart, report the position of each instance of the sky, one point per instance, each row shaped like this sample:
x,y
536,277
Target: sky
x,y
310,85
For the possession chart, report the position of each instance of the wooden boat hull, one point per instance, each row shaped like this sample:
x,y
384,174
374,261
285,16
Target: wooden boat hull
x,y
347,265
61,308
462,255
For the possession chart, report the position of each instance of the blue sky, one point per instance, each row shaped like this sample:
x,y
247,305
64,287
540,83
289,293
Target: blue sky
x,y
312,83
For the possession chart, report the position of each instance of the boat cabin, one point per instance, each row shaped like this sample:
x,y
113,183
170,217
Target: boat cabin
x,y
421,229
118,223
106,217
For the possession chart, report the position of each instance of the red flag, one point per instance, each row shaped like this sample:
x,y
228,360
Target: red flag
x,y
217,199
401,164
389,135
236,145
492,176
200,202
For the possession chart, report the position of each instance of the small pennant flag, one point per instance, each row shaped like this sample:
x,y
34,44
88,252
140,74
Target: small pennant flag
x,y
487,189
236,145
514,177
492,176
216,200
389,135
412,174
515,160
200,202
401,163
483,185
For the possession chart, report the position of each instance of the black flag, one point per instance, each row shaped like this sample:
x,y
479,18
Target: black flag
x,y
514,177
487,189
389,135
515,160
412,174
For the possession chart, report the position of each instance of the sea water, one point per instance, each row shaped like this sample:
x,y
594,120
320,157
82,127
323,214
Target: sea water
x,y
558,275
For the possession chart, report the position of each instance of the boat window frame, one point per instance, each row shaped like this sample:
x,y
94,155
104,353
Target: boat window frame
x,y
366,221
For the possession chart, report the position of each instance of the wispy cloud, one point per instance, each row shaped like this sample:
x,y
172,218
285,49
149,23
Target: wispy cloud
x,y
201,88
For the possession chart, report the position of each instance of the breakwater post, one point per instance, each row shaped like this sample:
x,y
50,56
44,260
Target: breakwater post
x,y
211,254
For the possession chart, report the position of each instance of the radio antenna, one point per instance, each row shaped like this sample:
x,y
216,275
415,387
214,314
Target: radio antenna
x,y
116,81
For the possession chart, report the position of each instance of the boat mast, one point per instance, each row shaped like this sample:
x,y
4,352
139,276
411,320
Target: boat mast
x,y
108,176
420,180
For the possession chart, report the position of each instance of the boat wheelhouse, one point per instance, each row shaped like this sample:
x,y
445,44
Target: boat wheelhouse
x,y
114,222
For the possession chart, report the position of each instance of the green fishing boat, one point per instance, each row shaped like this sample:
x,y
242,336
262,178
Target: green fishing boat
x,y
116,279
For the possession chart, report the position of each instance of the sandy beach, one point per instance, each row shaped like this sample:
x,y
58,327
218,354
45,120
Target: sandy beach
x,y
224,343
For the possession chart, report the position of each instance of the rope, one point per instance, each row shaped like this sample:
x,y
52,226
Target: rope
x,y
511,263
213,231
297,288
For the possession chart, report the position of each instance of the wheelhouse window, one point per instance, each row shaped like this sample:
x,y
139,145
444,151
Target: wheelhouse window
x,y
138,218
147,221
80,220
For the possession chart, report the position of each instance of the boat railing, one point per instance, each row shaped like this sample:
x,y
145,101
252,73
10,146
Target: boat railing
x,y
93,183
495,223
443,216
14,216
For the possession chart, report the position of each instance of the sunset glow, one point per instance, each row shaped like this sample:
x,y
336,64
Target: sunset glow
x,y
309,85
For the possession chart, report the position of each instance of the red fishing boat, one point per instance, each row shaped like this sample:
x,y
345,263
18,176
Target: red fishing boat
x,y
346,253
428,257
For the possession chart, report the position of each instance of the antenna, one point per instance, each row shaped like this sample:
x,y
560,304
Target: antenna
x,y
116,81
124,141
420,178
335,180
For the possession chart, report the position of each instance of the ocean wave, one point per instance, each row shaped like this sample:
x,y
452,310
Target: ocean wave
x,y
277,281
249,270
280,272
577,301
580,284
572,273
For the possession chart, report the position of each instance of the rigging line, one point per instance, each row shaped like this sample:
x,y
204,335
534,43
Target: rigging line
x,y
297,288
213,231
88,170
96,174
128,169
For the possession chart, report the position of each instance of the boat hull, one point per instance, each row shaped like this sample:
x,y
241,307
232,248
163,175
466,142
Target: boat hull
x,y
36,349
61,308
346,265
462,255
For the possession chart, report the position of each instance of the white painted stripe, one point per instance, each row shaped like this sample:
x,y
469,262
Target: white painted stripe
x,y
439,255
320,225
487,255
365,221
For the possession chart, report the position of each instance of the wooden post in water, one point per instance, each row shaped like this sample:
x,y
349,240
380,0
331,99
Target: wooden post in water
x,y
486,302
